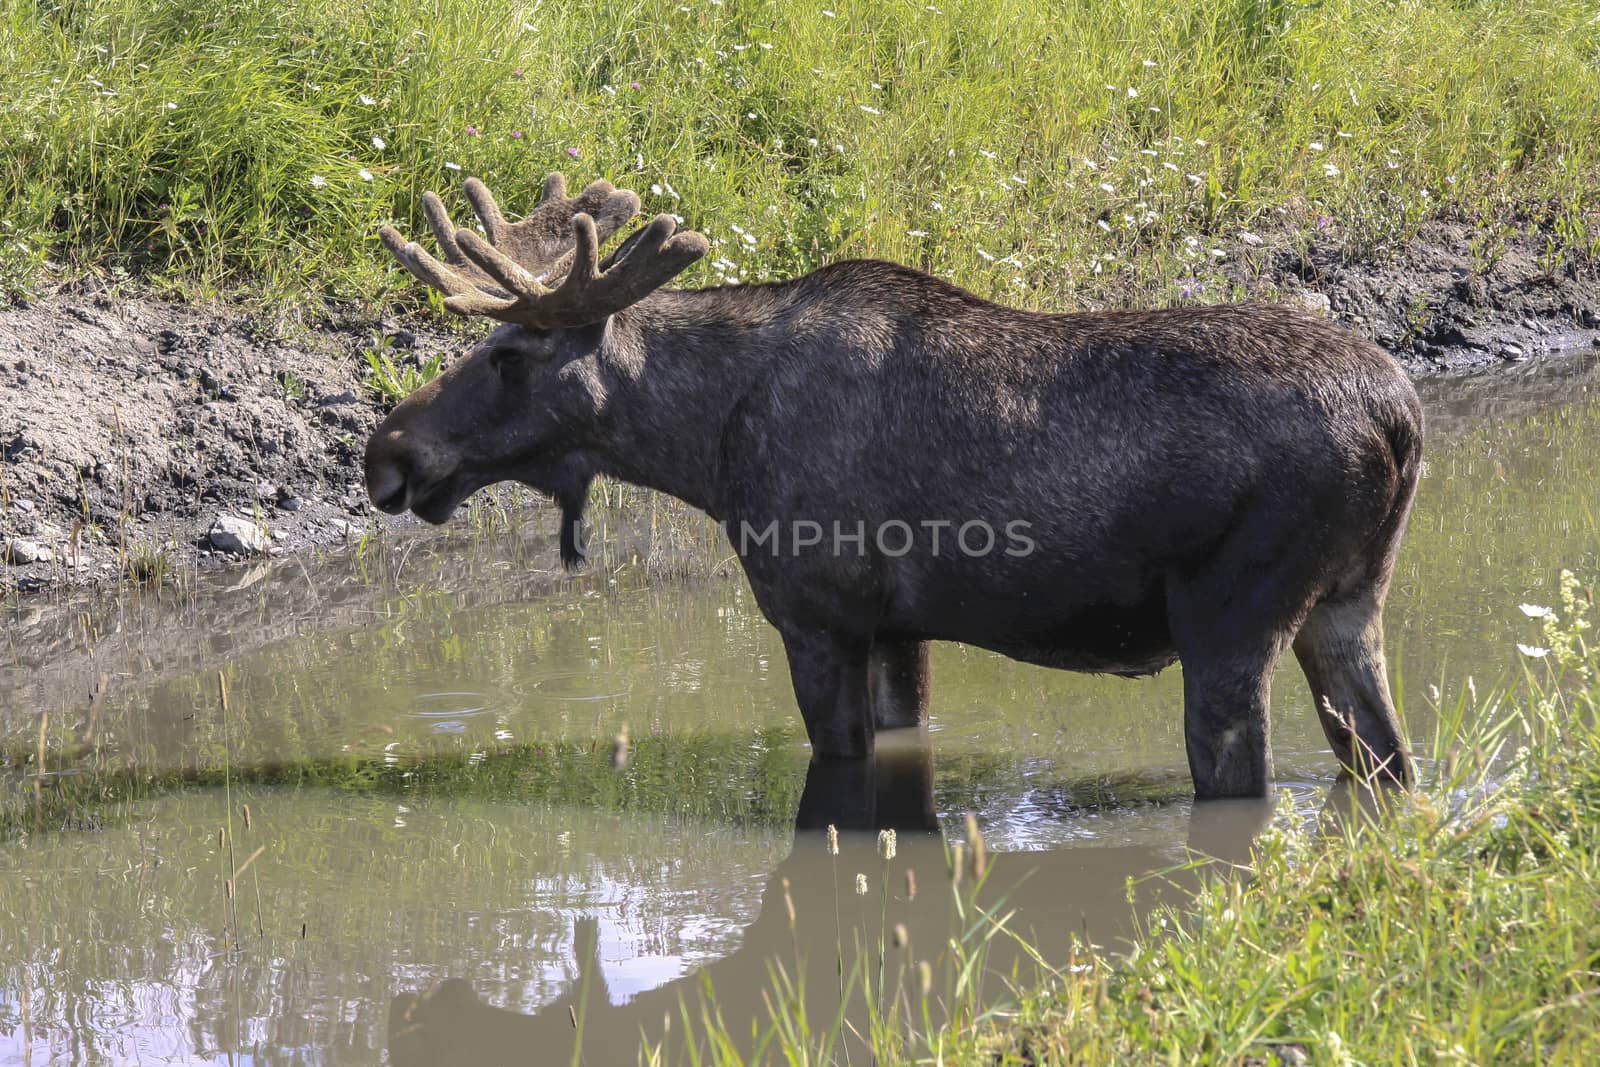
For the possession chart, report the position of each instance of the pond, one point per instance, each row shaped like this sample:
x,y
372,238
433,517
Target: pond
x,y
414,832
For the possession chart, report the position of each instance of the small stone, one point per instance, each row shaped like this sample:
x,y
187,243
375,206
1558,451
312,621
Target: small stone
x,y
22,505
347,530
1314,302
22,552
1530,325
230,533
1250,239
266,491
1512,352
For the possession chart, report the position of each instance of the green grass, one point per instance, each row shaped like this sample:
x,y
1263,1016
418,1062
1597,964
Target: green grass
x,y
1453,926
1043,151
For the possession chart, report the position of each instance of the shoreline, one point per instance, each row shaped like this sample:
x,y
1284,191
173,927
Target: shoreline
x,y
145,439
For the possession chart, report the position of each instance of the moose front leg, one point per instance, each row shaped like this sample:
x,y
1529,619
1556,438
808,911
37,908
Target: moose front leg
x,y
898,682
829,672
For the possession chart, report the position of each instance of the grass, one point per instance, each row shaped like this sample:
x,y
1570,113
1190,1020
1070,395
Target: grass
x,y
1044,152
1455,925
391,380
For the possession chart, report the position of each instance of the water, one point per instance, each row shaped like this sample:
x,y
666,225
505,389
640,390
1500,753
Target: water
x,y
441,863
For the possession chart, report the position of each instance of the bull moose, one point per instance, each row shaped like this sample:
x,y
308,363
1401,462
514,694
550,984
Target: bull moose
x,y
1115,490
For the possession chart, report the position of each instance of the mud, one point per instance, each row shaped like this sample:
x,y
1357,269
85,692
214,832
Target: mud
x,y
1455,296
130,425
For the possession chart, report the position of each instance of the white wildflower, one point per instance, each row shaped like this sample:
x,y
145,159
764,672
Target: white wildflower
x,y
1536,611
318,181
1533,651
379,143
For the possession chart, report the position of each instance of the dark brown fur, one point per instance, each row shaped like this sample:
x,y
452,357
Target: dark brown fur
x,y
1205,484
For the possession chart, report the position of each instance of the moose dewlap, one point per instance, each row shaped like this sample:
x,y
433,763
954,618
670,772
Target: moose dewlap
x,y
898,461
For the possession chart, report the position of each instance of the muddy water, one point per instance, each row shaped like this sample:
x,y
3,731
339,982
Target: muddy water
x,y
441,861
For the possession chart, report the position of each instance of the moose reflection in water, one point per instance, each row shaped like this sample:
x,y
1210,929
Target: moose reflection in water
x,y
1056,894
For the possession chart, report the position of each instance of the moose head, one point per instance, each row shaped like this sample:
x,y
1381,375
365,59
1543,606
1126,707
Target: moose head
x,y
520,405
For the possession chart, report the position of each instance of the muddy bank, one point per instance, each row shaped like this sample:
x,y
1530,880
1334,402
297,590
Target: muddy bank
x,y
143,437
1457,295
147,438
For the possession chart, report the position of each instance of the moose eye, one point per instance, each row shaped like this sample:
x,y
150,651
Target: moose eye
x,y
503,359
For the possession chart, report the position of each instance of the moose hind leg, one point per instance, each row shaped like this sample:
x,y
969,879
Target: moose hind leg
x,y
1340,649
829,674
1229,632
898,683
1226,721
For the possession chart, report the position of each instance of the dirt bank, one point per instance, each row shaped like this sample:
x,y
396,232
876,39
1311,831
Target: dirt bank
x,y
131,427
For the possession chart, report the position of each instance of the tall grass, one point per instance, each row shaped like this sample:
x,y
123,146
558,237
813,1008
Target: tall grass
x,y
1454,925
1042,150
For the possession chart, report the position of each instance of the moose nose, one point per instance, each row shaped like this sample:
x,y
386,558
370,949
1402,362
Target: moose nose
x,y
386,474
387,487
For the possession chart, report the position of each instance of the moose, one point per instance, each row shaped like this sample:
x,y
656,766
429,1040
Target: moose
x,y
1107,491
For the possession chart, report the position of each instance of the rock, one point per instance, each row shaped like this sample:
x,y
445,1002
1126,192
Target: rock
x,y
1250,239
230,533
266,491
290,502
1512,352
22,552
347,530
1315,302
22,505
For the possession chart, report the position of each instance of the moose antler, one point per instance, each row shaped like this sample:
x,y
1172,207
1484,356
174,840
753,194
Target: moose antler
x,y
544,272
